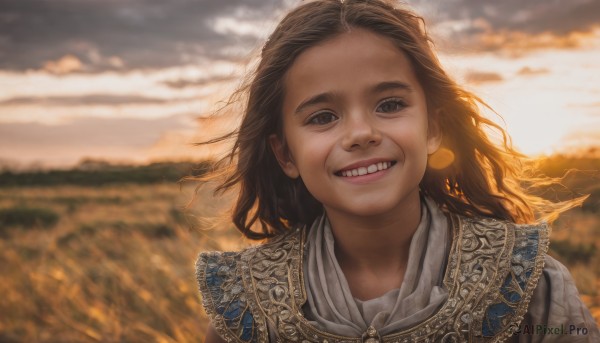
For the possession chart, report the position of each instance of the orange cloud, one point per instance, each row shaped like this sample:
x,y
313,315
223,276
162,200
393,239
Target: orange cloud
x,y
185,144
526,71
521,42
478,77
64,65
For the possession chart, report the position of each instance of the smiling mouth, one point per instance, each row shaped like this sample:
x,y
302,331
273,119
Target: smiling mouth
x,y
373,168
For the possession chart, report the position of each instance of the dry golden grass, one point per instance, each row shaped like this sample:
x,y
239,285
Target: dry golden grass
x,y
119,265
581,230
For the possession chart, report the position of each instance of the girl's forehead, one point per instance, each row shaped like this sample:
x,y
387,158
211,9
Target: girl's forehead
x,y
350,61
357,45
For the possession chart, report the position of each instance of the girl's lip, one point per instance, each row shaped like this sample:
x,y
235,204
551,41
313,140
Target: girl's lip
x,y
365,164
367,178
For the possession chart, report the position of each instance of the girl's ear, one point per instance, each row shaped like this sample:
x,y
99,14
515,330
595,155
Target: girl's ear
x,y
434,133
283,157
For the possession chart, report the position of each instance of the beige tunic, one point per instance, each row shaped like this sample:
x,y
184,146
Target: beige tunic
x,y
556,304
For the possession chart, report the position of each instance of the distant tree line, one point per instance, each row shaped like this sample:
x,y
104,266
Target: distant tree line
x,y
94,173
579,175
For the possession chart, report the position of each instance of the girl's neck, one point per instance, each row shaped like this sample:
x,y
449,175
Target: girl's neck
x,y
376,245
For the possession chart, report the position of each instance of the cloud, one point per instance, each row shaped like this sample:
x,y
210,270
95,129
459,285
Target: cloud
x,y
127,139
81,133
185,83
586,105
87,100
514,26
122,35
517,43
526,71
478,77
66,36
531,16
64,65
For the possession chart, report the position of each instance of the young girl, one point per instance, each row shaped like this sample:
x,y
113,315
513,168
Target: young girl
x,y
387,213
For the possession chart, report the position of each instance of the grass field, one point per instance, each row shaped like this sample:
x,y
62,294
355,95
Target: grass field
x,y
116,263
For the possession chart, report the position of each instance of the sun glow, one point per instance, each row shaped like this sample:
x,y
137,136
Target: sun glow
x,y
545,99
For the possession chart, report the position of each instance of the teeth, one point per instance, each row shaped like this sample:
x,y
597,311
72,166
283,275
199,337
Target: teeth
x,y
375,167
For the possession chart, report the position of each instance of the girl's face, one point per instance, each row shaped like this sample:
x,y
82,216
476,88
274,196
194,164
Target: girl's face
x,y
355,125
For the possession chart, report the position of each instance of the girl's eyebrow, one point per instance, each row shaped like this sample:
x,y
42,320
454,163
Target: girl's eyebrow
x,y
328,96
323,97
388,85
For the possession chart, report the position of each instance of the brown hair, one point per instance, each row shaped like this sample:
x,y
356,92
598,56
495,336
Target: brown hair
x,y
483,179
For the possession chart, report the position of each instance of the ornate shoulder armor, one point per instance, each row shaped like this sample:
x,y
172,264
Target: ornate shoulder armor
x,y
492,271
233,285
507,305
223,296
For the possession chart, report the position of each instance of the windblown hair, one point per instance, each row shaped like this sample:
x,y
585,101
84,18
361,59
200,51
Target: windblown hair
x,y
484,178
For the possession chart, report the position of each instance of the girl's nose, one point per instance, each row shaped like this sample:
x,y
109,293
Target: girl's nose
x,y
360,133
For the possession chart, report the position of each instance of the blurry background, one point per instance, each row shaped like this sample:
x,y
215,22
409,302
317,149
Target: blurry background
x,y
100,101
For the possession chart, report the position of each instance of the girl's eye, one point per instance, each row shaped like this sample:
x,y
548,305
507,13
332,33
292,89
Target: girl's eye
x,y
322,118
391,106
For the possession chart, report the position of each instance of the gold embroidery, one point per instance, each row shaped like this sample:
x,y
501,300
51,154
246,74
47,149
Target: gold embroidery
x,y
485,266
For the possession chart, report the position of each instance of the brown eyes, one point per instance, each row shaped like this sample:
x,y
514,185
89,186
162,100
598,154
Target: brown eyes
x,y
322,118
392,105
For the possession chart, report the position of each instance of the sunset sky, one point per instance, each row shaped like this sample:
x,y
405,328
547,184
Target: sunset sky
x,y
128,80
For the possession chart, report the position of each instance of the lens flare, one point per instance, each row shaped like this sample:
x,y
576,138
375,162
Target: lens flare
x,y
441,159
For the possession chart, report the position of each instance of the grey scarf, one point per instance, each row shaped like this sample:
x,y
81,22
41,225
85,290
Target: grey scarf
x,y
331,306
